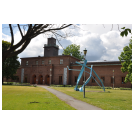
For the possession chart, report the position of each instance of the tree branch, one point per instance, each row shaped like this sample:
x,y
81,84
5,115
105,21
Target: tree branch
x,y
27,36
20,30
58,41
118,27
12,35
49,30
33,31
21,49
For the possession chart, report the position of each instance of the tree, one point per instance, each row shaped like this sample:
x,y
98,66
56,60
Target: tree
x,y
126,61
74,50
10,65
125,31
29,32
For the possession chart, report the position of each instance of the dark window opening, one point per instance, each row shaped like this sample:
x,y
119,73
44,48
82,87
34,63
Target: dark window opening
x,y
93,80
25,80
123,79
112,79
76,78
17,78
83,78
103,79
60,79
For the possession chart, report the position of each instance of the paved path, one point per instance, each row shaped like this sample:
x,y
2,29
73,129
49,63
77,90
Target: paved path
x,y
77,104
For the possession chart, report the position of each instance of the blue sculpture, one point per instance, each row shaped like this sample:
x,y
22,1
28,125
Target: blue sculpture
x,y
80,75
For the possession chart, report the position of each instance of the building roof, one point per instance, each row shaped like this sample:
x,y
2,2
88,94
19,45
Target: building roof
x,y
50,57
99,63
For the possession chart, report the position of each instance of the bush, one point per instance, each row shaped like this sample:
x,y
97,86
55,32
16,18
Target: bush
x,y
93,87
108,87
52,85
125,88
35,85
10,83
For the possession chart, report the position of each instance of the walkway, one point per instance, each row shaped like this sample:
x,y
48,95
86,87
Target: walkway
x,y
77,104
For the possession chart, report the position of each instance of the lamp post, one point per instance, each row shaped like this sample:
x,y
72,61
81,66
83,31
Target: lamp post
x,y
85,51
113,79
50,75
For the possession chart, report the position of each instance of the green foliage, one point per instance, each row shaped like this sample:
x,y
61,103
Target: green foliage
x,y
5,45
74,50
125,31
52,85
121,88
126,61
10,65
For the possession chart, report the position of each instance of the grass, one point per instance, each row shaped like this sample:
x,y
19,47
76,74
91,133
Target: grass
x,y
108,100
30,98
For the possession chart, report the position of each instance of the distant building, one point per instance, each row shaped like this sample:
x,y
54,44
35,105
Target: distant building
x,y
52,69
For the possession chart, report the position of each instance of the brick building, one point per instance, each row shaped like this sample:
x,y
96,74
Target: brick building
x,y
52,69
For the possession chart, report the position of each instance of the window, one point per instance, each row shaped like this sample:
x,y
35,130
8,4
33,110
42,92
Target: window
x,y
18,79
36,62
76,78
42,62
93,80
49,62
25,79
26,62
61,61
103,79
83,78
60,79
112,79
123,79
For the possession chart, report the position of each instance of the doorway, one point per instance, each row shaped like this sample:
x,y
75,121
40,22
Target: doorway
x,y
60,79
34,79
40,80
47,78
25,80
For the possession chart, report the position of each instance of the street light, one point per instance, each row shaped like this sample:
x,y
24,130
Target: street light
x,y
50,75
113,79
85,51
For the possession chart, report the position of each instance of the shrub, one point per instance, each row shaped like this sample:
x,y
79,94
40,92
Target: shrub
x,y
125,88
35,85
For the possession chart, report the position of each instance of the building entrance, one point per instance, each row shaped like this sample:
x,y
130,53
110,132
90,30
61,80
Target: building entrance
x,y
47,79
40,80
34,79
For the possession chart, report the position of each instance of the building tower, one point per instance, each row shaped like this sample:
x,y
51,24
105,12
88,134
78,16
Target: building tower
x,y
51,49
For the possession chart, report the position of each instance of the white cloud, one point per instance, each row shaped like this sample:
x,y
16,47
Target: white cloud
x,y
35,47
114,44
101,43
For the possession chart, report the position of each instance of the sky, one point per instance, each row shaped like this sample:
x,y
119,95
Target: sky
x,y
102,41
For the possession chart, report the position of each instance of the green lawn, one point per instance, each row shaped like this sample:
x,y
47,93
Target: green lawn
x,y
30,98
108,100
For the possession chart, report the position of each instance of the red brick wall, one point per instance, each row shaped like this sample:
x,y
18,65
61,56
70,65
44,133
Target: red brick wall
x,y
58,70
44,70
102,71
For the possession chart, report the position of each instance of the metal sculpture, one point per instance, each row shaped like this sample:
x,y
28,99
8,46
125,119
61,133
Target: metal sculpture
x,y
80,75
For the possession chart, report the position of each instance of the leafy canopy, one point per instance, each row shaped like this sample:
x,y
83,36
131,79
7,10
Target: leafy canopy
x,y
10,65
74,50
126,61
125,31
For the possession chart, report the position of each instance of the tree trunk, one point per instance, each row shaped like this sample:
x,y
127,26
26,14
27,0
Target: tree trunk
x,y
2,80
